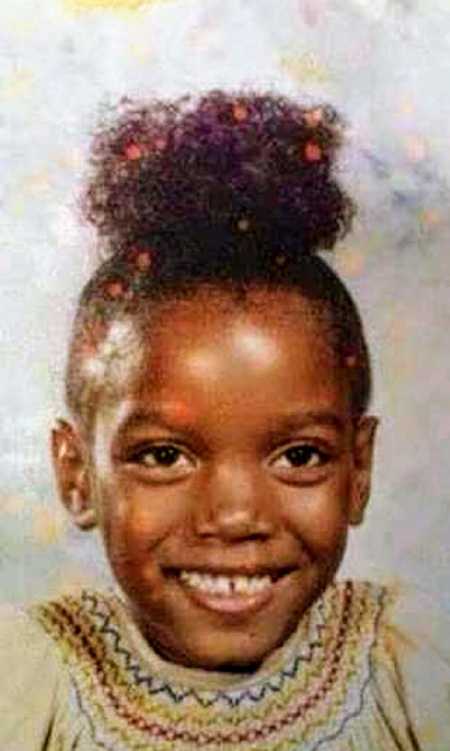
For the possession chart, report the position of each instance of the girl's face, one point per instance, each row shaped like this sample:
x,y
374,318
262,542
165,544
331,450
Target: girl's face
x,y
225,475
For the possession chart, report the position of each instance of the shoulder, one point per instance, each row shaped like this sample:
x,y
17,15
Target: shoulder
x,y
31,676
24,645
411,661
54,654
417,624
409,620
418,633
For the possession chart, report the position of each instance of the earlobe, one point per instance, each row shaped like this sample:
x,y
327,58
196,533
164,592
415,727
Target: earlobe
x,y
363,457
360,498
81,510
71,469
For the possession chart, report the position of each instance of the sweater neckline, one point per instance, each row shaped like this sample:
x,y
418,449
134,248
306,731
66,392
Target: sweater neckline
x,y
300,642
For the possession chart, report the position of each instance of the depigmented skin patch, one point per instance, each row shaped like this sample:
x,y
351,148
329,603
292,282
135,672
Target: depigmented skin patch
x,y
116,356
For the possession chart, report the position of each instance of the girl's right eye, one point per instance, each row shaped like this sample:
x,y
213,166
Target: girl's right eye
x,y
162,462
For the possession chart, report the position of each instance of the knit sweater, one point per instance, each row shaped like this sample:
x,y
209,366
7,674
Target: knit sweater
x,y
366,670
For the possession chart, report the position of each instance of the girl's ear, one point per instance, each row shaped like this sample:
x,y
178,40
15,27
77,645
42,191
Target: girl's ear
x,y
72,474
364,441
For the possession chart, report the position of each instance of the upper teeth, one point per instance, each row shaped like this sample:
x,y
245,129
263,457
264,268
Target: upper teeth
x,y
225,585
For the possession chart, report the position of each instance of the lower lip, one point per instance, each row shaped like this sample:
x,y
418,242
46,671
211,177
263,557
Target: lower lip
x,y
235,604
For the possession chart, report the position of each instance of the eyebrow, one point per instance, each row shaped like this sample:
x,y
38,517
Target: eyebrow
x,y
153,416
304,419
293,420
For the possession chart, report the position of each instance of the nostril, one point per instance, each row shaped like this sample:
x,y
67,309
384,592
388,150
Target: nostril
x,y
235,525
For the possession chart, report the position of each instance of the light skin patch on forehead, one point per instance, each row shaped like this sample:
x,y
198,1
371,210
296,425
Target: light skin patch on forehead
x,y
117,359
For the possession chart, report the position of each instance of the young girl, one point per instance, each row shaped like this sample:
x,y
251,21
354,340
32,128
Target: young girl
x,y
218,384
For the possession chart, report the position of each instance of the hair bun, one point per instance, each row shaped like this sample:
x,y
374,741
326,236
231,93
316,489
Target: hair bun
x,y
225,169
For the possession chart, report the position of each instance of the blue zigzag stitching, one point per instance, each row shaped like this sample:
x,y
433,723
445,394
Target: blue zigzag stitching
x,y
233,699
370,670
86,715
108,629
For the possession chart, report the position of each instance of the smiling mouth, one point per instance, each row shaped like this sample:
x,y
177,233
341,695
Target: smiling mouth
x,y
219,584
225,593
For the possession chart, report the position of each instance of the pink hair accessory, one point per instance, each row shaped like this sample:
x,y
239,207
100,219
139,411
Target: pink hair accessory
x,y
133,151
313,152
240,112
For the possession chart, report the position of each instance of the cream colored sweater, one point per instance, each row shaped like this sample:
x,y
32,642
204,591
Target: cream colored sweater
x,y
367,670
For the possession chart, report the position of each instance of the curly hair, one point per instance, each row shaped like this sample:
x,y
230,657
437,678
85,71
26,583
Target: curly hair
x,y
230,190
234,172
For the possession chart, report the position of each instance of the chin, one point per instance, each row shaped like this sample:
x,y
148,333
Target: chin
x,y
230,659
242,651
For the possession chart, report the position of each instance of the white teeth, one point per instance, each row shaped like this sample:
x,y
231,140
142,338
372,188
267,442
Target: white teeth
x,y
241,584
195,580
225,585
262,583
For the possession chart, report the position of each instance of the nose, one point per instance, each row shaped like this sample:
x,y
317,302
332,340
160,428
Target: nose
x,y
233,505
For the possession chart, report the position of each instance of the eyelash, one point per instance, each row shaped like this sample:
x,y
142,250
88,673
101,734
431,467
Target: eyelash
x,y
167,449
296,451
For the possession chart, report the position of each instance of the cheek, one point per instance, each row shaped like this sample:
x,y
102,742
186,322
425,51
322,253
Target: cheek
x,y
319,519
135,519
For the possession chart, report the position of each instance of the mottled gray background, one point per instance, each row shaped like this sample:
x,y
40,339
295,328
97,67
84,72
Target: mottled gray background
x,y
386,65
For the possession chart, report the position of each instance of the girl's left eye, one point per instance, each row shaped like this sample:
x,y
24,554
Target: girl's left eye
x,y
300,457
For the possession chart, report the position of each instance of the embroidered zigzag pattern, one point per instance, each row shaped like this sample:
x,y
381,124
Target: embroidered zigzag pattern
x,y
313,697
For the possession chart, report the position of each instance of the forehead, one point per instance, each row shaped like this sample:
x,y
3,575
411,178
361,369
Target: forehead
x,y
214,356
213,315
272,339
